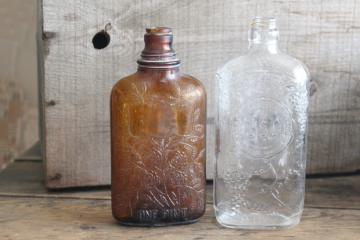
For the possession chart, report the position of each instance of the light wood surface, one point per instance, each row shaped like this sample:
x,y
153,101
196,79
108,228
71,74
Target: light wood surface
x,y
28,211
78,78
25,218
18,79
335,192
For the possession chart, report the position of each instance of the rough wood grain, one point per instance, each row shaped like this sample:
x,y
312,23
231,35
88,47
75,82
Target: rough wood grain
x,y
28,211
25,179
29,218
78,78
18,95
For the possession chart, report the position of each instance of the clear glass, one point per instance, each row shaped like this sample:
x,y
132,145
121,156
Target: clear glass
x,y
261,132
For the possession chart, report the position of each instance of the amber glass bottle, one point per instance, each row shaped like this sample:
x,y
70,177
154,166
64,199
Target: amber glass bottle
x,y
158,140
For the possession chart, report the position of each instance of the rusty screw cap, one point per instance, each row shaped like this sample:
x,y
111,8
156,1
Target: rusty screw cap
x,y
158,51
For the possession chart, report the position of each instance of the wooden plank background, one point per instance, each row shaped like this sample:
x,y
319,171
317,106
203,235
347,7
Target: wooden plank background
x,y
78,78
28,211
18,79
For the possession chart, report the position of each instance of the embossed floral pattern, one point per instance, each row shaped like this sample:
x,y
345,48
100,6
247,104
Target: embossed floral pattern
x,y
158,149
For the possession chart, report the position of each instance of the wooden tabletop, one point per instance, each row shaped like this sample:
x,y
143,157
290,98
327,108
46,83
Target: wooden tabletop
x,y
28,211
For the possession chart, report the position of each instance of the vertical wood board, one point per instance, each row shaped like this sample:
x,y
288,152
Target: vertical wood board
x,y
18,95
78,78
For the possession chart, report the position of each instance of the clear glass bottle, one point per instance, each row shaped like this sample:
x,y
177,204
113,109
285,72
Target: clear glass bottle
x,y
261,132
158,140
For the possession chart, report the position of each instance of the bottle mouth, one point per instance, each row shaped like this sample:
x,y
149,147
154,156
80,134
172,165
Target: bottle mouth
x,y
266,23
159,30
263,31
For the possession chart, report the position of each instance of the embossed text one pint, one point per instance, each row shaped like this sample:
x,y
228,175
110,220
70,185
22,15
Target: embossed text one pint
x,y
261,131
158,140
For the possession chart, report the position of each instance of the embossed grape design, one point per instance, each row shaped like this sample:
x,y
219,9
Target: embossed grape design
x,y
265,127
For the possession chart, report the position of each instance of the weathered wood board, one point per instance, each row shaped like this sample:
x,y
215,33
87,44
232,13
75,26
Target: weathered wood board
x,y
18,78
70,219
25,179
28,211
78,78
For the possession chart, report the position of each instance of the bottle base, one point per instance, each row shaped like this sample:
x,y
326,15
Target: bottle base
x,y
156,224
257,221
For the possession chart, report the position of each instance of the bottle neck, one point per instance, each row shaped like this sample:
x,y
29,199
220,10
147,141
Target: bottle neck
x,y
263,36
158,52
162,70
162,74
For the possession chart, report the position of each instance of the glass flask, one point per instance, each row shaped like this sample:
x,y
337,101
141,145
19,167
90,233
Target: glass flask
x,y
262,102
158,140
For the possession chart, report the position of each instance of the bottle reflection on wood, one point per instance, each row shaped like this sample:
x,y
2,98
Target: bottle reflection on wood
x,y
158,140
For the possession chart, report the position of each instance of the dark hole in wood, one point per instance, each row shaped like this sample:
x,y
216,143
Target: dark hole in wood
x,y
101,40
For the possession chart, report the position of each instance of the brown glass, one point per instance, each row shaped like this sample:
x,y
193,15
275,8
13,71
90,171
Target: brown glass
x,y
158,140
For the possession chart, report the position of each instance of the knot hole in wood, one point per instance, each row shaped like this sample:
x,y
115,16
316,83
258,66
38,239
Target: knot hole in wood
x,y
102,39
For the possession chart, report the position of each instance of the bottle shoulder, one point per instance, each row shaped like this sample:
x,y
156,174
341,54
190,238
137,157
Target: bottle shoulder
x,y
124,82
279,64
194,82
162,85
